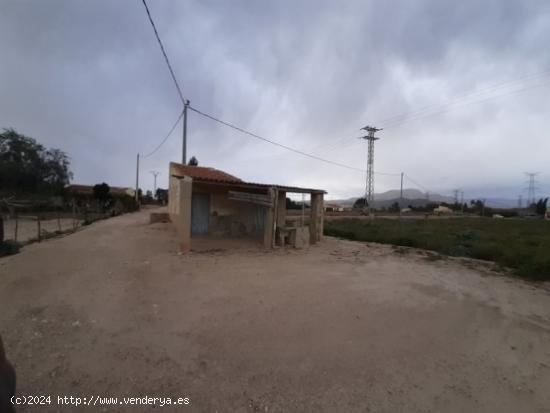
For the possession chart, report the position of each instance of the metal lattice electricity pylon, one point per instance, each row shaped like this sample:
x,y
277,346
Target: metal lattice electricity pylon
x,y
531,196
369,187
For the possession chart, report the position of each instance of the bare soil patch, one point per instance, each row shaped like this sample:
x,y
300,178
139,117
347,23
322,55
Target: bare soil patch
x,y
341,326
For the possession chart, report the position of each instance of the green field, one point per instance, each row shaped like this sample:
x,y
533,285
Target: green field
x,y
522,245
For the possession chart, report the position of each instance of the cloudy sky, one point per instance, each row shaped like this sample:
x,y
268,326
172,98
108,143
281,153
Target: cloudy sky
x,y
461,88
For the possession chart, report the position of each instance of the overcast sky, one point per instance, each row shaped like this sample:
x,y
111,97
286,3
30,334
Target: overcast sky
x,y
88,77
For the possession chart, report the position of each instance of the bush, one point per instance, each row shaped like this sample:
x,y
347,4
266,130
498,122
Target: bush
x,y
488,252
521,245
404,242
129,203
340,234
9,248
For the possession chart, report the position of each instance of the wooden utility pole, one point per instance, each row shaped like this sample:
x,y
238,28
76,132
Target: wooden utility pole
x,y
184,146
137,179
401,196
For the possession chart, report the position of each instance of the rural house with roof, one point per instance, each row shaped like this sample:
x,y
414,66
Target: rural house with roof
x,y
209,203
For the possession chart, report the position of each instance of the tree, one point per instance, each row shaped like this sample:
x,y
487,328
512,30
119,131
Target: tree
x,y
360,203
27,166
477,205
102,192
162,195
193,161
394,207
290,204
540,206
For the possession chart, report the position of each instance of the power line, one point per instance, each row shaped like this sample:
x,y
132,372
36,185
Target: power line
x,y
237,128
398,118
418,184
464,104
468,95
166,137
463,100
164,53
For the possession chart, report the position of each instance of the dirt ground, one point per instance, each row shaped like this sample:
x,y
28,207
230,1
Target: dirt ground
x,y
113,310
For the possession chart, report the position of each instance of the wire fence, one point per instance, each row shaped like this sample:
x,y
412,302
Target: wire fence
x,y
26,221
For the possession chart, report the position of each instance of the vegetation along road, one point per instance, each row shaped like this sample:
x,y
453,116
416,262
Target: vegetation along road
x,y
522,245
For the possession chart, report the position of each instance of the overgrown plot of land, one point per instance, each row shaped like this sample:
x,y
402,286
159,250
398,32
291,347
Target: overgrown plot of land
x,y
523,245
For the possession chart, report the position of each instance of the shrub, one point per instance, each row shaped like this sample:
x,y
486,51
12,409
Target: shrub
x,y
9,247
340,233
404,242
521,245
128,203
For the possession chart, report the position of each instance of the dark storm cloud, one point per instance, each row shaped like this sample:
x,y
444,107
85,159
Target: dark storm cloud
x,y
88,77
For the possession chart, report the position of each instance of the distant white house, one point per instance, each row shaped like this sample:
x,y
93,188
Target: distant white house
x,y
405,210
333,207
442,210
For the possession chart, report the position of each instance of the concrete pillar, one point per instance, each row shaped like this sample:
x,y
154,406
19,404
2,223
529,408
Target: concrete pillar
x,y
269,220
281,208
316,218
321,227
186,192
179,209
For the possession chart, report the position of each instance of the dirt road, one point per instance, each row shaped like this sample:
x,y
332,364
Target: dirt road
x,y
113,310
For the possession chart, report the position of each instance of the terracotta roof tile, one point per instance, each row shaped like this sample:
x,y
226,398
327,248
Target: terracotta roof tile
x,y
201,172
215,176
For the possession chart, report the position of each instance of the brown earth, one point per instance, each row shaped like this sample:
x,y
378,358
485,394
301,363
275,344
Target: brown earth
x,y
113,310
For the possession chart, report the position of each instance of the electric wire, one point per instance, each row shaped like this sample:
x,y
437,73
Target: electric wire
x,y
166,137
272,142
465,100
417,184
164,53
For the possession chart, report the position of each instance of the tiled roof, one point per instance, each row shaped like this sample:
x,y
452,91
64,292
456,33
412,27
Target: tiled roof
x,y
200,172
215,176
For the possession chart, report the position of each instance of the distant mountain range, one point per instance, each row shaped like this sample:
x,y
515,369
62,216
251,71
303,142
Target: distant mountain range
x,y
417,198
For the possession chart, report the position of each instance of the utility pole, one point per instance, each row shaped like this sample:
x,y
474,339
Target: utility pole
x,y
401,196
369,187
462,201
184,148
155,174
531,197
455,192
520,201
137,179
401,192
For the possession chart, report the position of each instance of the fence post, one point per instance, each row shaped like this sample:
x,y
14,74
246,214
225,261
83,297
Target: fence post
x,y
16,225
58,221
38,226
74,219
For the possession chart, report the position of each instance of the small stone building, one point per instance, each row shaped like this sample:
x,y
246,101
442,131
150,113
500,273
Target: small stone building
x,y
209,203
